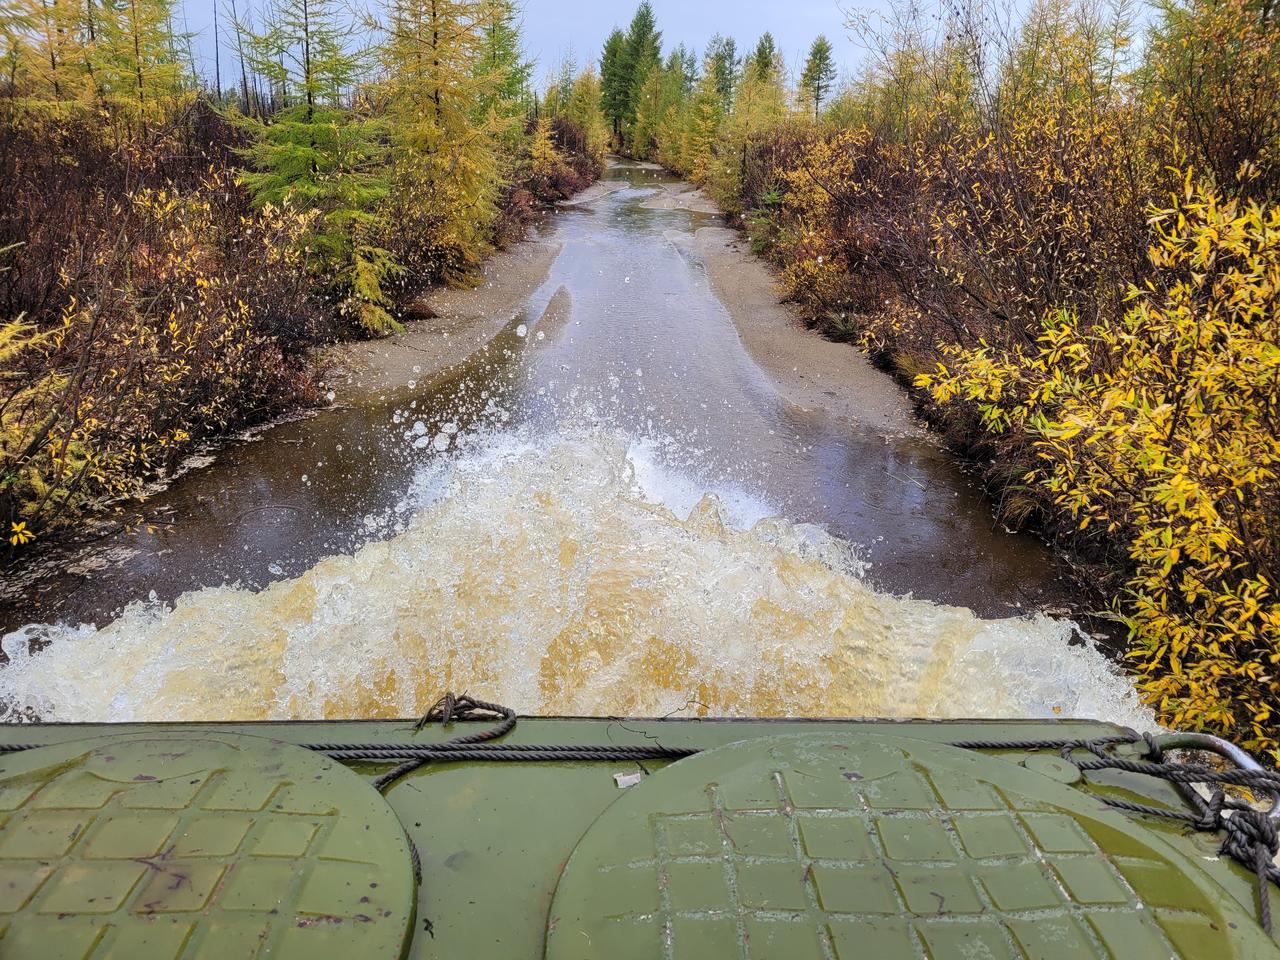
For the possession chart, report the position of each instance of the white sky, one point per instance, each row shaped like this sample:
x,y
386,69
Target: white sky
x,y
554,28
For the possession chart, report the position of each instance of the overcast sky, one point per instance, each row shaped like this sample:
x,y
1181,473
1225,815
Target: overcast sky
x,y
554,28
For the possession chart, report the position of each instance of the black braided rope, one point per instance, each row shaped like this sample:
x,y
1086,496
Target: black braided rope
x,y
447,709
528,752
1249,835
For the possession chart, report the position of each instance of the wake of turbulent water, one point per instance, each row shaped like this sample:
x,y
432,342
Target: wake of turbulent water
x,y
565,575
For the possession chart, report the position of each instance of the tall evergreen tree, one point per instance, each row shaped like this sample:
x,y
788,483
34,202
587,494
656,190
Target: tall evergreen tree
x,y
642,52
503,59
765,60
726,65
759,104
683,64
321,153
819,73
614,82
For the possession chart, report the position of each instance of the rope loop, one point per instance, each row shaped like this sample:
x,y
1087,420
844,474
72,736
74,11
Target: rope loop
x,y
445,710
1250,836
1154,752
465,707
1211,815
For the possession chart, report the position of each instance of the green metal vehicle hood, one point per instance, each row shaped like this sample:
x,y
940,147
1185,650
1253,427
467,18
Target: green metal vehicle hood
x,y
791,839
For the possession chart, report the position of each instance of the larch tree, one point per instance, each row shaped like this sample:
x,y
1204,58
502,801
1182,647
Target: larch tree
x,y
323,151
585,110
661,96
118,59
439,92
560,87
705,114
140,69
819,74
47,54
13,47
544,158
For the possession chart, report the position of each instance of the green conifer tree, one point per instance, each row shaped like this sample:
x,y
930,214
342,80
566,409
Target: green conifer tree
x,y
759,104
503,59
725,63
819,74
642,52
765,60
614,82
446,131
323,153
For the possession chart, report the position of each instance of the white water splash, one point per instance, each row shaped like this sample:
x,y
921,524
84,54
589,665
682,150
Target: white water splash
x,y
566,575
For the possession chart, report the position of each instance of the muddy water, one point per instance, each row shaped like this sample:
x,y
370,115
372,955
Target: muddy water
x,y
610,509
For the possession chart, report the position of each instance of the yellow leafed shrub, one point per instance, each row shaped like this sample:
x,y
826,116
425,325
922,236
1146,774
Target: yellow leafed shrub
x,y
1163,429
171,342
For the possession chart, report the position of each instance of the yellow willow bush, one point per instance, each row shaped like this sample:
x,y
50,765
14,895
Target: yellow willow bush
x,y
1045,211
843,232
1163,429
168,341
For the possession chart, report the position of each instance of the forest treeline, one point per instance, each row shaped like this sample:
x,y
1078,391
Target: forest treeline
x,y
171,244
1065,232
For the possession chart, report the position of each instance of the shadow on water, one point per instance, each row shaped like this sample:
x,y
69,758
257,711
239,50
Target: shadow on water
x,y
625,334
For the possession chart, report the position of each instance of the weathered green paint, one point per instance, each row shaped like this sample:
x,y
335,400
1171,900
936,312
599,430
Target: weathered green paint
x,y
494,838
204,845
800,846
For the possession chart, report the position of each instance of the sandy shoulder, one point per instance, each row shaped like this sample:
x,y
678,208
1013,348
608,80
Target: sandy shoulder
x,y
807,369
597,191
681,196
465,320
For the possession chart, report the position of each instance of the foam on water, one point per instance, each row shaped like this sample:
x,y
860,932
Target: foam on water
x,y
565,574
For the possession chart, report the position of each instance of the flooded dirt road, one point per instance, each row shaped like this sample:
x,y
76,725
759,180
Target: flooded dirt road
x,y
626,502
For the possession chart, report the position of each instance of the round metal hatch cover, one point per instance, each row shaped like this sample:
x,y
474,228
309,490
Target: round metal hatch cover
x,y
801,846
208,845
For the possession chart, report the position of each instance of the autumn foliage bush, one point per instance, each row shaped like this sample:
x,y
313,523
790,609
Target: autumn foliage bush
x,y
154,309
1162,431
157,306
1076,257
